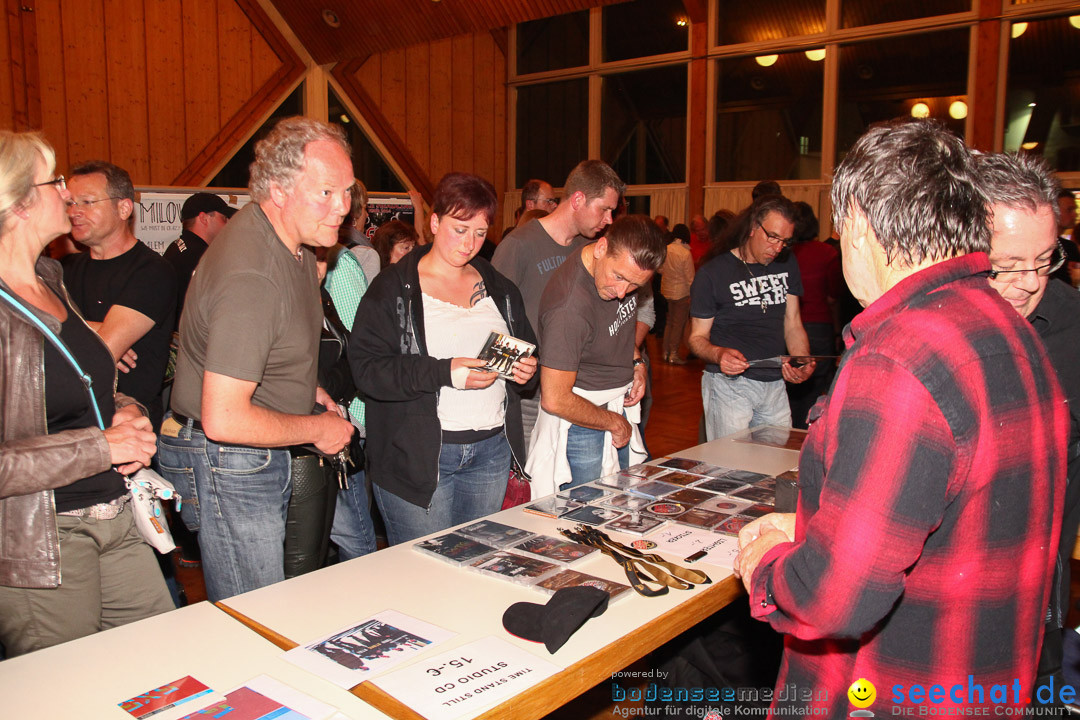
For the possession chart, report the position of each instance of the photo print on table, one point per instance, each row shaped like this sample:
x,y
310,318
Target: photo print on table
x,y
552,506
512,566
591,515
680,463
454,548
553,549
585,493
494,533
689,496
636,524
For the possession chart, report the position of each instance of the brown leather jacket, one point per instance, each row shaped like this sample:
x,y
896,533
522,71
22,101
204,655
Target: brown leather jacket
x,y
32,462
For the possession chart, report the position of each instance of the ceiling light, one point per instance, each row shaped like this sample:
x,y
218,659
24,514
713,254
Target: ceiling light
x,y
766,60
681,22
1018,29
344,118
958,110
1031,104
816,54
1030,145
331,18
1074,20
920,110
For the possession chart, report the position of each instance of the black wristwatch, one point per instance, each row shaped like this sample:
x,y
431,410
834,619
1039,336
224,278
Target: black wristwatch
x,y
639,361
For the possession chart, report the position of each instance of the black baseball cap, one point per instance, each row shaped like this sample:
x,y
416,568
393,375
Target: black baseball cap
x,y
202,202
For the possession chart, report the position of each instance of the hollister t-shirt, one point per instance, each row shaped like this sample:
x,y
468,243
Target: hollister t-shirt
x,y
579,332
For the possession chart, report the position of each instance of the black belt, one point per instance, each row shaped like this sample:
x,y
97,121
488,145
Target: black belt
x,y
186,421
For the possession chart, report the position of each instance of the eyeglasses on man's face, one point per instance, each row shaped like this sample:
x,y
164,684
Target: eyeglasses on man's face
x,y
87,204
1011,275
58,181
776,239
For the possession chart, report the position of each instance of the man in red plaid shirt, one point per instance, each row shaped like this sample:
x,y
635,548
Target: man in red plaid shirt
x,y
933,475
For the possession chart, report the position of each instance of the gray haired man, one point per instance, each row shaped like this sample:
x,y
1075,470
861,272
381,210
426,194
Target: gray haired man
x,y
246,371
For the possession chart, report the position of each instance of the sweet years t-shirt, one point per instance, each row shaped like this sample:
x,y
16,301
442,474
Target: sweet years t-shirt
x,y
747,303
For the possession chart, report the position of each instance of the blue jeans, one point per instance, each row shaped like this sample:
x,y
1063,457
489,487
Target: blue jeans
x,y
353,531
238,497
472,484
734,403
585,453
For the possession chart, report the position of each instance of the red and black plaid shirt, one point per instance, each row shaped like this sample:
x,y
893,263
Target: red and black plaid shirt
x,y
932,481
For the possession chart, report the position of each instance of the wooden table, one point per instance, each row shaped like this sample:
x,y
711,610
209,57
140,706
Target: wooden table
x,y
89,677
470,604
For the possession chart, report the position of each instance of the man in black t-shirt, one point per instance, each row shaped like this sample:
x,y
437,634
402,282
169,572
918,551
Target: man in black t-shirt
x,y
202,217
125,290
744,305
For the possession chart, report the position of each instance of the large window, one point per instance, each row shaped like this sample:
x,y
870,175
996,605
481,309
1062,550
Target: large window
x,y
739,21
643,117
854,13
552,130
553,43
644,27
368,165
915,75
768,116
235,174
1042,105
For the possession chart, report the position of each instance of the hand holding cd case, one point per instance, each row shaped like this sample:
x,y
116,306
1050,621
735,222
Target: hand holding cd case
x,y
500,352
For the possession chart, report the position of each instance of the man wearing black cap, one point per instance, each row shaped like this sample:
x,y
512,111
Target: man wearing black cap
x,y
203,216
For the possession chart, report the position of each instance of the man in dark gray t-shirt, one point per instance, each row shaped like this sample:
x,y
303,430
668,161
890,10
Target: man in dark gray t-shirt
x,y
588,314
530,254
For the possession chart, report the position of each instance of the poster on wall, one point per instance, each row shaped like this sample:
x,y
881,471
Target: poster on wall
x,y
157,213
383,209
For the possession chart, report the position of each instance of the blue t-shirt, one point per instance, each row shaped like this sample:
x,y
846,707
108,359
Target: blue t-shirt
x,y
747,303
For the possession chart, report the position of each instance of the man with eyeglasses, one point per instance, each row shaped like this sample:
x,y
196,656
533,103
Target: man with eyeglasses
x,y
744,306
1025,252
932,478
125,290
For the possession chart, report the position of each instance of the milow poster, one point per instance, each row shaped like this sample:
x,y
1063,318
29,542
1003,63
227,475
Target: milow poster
x,y
157,211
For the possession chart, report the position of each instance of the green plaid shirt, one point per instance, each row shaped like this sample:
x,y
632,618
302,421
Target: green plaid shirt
x,y
346,284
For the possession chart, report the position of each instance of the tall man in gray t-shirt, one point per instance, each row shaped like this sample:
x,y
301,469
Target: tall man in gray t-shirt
x,y
530,254
588,314
245,381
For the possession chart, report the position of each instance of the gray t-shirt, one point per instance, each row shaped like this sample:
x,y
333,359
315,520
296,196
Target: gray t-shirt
x,y
252,313
581,333
528,257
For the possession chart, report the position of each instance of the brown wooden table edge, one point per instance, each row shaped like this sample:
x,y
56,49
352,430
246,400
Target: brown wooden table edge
x,y
555,691
278,639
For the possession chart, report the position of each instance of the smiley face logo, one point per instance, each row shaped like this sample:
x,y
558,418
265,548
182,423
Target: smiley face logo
x,y
862,693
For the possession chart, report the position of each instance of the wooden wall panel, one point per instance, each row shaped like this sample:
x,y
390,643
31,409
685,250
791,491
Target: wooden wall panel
x,y
441,132
437,107
201,102
53,83
234,58
463,112
166,126
125,59
83,33
167,89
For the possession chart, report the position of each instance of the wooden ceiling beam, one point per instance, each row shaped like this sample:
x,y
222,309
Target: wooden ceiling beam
x,y
695,10
345,74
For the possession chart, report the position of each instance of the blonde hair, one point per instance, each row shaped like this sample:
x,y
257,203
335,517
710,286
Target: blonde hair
x,y
18,154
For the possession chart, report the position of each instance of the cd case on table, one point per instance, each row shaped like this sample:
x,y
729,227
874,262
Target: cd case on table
x,y
573,578
552,506
493,533
553,549
454,548
516,568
